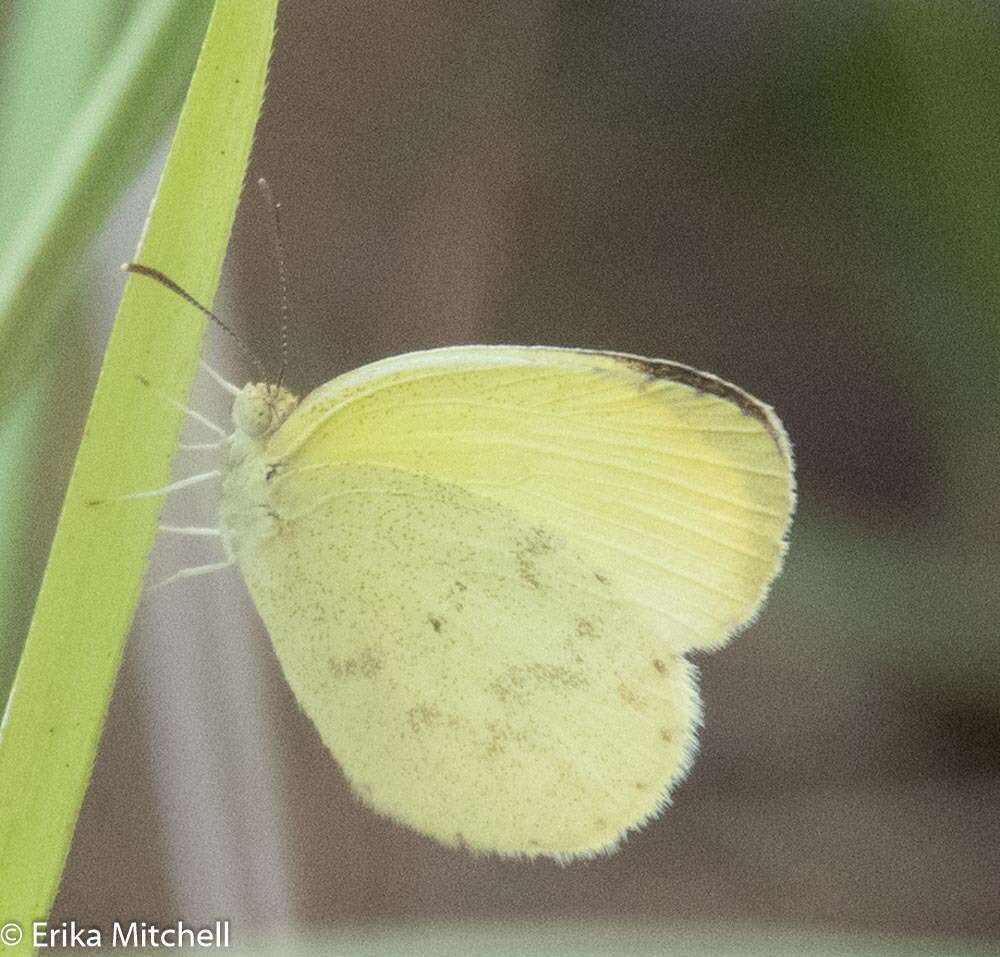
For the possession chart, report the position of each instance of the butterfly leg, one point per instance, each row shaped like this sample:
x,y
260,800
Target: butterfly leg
x,y
200,446
193,530
194,572
166,490
175,486
220,380
196,416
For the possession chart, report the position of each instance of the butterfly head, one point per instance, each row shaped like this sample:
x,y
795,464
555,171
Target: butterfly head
x,y
260,408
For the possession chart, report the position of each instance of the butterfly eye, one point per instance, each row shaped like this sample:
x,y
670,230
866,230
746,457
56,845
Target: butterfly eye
x,y
253,414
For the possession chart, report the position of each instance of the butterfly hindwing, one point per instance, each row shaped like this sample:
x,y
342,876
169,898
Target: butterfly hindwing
x,y
476,678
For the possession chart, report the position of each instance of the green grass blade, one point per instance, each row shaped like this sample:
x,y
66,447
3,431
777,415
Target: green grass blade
x,y
51,727
36,440
52,55
87,92
112,133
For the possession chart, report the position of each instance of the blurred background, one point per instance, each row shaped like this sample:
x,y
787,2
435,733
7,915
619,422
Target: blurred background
x,y
802,198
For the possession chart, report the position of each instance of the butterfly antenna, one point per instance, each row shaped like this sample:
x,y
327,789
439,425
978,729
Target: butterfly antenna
x,y
279,251
165,280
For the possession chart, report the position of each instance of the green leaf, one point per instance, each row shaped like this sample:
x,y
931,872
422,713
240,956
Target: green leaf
x,y
87,91
113,131
55,50
54,717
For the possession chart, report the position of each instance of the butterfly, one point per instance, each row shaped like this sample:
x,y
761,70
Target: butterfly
x,y
483,569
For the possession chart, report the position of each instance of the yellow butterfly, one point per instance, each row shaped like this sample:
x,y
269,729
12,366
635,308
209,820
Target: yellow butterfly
x,y
482,569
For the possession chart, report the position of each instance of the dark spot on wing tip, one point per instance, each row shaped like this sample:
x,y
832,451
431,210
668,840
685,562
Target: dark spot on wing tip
x,y
600,578
585,628
641,786
601,823
534,843
272,470
703,382
665,735
436,623
660,666
144,381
